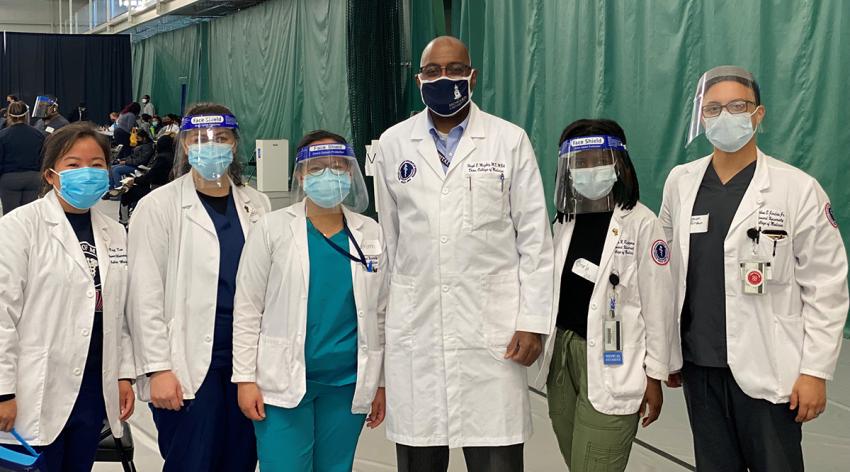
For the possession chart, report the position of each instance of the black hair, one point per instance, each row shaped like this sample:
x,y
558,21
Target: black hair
x,y
751,84
207,108
146,96
13,97
626,191
146,117
318,135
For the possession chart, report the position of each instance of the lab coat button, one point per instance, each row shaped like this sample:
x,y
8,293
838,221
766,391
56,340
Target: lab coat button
x,y
360,313
207,338
445,191
444,239
445,288
85,332
591,343
77,371
593,306
90,293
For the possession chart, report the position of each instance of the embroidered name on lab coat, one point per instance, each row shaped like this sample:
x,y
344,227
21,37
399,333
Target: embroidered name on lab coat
x,y
625,247
484,168
117,255
771,218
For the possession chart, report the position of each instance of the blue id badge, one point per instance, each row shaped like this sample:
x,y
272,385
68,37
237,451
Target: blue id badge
x,y
613,337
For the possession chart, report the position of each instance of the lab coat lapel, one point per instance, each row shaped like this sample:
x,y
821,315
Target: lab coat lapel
x,y
101,240
611,238
62,231
753,199
688,188
298,226
355,222
192,206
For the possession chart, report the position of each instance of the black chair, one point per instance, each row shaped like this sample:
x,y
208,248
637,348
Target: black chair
x,y
112,449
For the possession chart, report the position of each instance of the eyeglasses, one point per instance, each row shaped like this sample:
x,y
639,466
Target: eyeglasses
x,y
335,168
734,107
435,71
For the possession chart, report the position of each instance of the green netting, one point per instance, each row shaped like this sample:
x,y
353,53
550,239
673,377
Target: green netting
x,y
545,63
280,66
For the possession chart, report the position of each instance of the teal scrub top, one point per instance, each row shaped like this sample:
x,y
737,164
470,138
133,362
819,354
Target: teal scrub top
x,y
330,348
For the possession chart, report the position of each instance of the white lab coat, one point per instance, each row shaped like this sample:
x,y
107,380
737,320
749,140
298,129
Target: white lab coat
x,y
270,315
47,305
644,302
796,326
470,259
174,259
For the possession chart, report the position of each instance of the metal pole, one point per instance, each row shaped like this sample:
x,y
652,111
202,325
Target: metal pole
x,y
70,16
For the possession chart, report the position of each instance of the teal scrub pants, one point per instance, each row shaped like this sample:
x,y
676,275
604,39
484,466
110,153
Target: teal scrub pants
x,y
319,435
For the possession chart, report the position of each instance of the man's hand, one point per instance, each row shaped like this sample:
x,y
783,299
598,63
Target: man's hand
x,y
250,400
8,413
379,409
166,392
524,348
653,398
809,394
674,380
126,399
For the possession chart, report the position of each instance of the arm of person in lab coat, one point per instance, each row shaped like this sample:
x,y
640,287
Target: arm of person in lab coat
x,y
383,294
388,216
665,218
127,364
252,281
655,287
14,256
533,241
821,273
147,258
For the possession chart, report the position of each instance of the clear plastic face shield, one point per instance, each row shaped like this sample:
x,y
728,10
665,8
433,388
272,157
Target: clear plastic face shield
x,y
709,110
587,172
329,176
43,106
206,147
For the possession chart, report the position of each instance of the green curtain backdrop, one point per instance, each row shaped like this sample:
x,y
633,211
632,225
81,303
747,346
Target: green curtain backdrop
x,y
280,66
545,63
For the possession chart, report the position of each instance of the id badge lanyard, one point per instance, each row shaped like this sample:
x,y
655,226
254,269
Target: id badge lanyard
x,y
613,332
361,259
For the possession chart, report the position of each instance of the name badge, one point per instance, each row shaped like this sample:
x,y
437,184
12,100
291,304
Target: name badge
x,y
699,224
586,270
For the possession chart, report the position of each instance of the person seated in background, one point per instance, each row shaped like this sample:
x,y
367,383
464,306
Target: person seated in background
x,y
141,156
124,126
79,114
170,125
158,175
52,120
145,125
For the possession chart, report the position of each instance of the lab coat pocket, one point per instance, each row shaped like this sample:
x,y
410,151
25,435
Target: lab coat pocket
x,y
781,259
488,199
500,311
788,349
629,379
32,378
401,308
273,361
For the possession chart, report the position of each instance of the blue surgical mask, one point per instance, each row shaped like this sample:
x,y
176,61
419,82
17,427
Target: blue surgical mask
x,y
327,189
446,96
594,183
211,160
729,132
82,188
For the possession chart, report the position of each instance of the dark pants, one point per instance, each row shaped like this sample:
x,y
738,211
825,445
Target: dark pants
x,y
18,189
478,459
75,447
209,433
118,172
735,432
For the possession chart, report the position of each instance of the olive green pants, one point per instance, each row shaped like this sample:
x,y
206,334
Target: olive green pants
x,y
590,441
